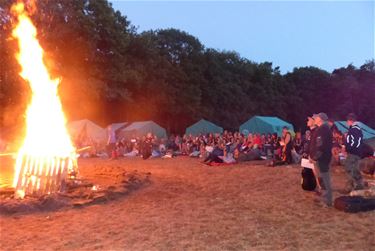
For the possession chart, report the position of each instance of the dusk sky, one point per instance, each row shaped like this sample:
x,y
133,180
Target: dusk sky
x,y
326,34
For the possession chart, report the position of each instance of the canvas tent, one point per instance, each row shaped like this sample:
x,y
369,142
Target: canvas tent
x,y
86,132
139,129
262,124
117,126
203,127
367,131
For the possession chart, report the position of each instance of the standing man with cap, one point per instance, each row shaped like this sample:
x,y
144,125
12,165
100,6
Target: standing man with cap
x,y
353,144
322,149
310,149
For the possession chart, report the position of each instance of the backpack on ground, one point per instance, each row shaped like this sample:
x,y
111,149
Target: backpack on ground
x,y
308,179
354,204
366,151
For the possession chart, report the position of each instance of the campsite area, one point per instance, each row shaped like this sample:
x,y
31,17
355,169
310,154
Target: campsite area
x,y
191,206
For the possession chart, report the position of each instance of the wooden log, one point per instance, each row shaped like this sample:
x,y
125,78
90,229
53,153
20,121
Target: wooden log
x,y
19,189
48,173
51,174
42,175
62,175
31,171
57,173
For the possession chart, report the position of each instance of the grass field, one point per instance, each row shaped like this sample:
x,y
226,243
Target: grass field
x,y
191,206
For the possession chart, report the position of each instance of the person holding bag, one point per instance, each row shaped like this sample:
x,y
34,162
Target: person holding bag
x,y
322,154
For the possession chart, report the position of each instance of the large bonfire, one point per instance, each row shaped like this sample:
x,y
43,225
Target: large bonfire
x,y
47,154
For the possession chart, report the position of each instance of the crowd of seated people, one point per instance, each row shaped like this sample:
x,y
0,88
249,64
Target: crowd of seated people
x,y
228,147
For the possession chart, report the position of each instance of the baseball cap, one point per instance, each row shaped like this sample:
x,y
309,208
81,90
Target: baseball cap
x,y
323,116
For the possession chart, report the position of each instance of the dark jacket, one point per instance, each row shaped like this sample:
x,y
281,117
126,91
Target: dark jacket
x,y
353,140
218,151
312,150
322,148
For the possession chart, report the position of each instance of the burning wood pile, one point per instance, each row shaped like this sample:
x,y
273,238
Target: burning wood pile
x,y
78,193
46,163
47,156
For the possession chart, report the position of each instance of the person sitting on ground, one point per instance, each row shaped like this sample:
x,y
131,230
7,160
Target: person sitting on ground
x,y
275,143
155,152
217,151
250,141
120,147
252,154
133,153
257,141
202,149
228,155
178,142
184,145
263,137
286,149
195,148
162,147
171,145
267,147
297,143
146,150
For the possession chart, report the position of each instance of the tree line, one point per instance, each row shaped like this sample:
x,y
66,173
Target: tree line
x,y
110,72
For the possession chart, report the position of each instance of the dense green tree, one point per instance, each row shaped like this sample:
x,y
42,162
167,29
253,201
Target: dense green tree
x,y
109,72
311,87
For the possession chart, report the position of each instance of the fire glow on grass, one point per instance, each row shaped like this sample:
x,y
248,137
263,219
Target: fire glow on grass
x,y
47,155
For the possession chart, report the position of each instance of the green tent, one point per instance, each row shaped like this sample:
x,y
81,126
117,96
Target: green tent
x,y
203,127
262,124
86,132
367,131
139,129
117,126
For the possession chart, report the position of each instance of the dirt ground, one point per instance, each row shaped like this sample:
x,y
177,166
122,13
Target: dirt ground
x,y
191,206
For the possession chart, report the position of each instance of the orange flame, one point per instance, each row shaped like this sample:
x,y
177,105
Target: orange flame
x,y
47,150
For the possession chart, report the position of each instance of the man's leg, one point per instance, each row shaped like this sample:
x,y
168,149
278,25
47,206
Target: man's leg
x,y
327,194
317,177
351,166
348,167
357,176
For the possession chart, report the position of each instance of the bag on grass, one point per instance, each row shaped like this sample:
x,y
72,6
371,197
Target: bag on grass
x,y
308,179
354,204
366,151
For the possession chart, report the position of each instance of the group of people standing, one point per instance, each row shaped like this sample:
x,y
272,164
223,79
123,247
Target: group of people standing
x,y
320,153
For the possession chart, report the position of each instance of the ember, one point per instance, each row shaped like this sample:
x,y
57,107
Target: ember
x,y
47,155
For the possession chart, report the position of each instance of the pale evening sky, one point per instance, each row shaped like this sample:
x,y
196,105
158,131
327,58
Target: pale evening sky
x,y
326,34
